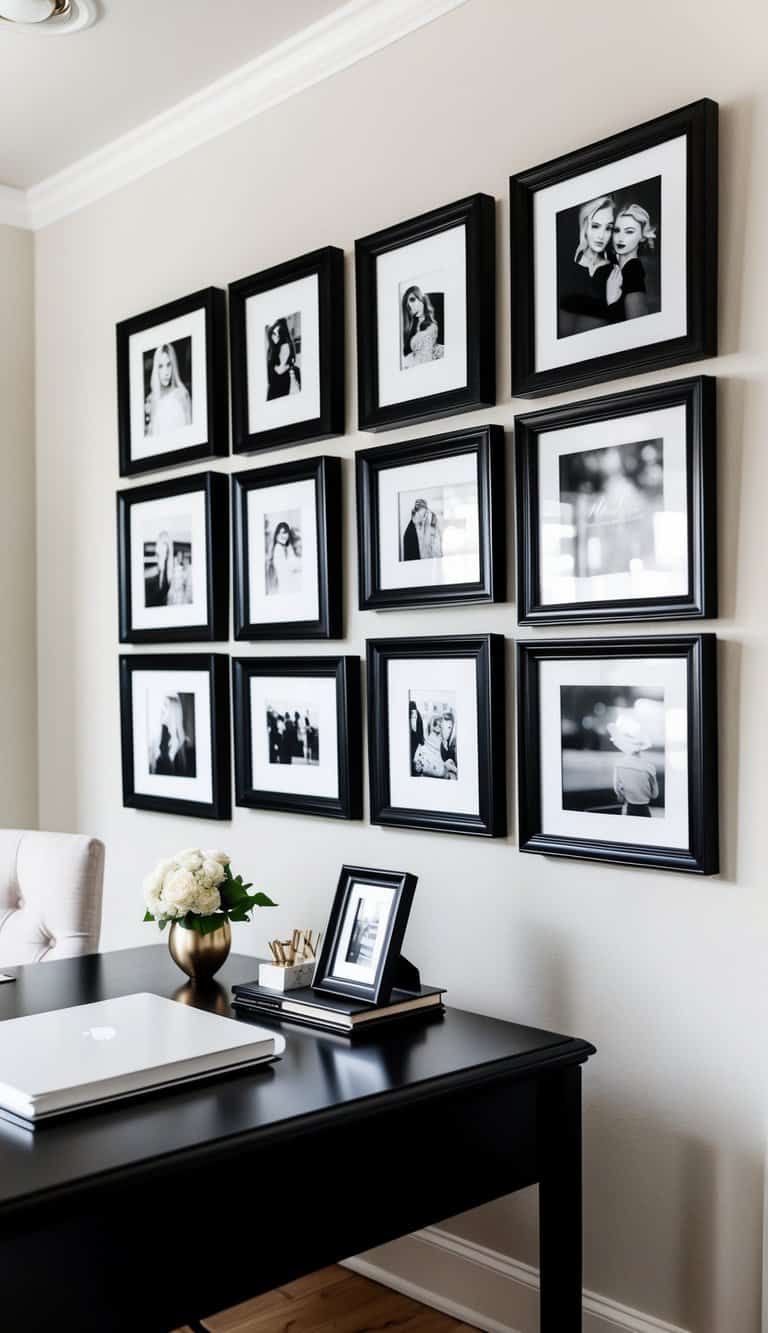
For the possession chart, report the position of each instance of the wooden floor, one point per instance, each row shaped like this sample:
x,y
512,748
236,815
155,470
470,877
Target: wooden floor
x,y
331,1301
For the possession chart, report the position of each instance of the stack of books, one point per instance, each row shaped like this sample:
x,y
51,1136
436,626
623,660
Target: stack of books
x,y
338,1013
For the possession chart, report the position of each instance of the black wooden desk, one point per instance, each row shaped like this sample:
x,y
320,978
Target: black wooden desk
x,y
158,1212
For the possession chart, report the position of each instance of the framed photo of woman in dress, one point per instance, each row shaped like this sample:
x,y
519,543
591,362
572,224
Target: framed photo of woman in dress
x,y
430,520
616,504
175,733
286,330
172,384
436,733
287,551
425,316
614,255
617,750
298,734
173,560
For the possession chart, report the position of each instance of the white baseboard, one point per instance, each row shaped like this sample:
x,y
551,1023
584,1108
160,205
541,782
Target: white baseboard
x,y
483,1288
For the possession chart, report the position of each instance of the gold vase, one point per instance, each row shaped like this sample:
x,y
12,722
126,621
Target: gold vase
x,y
200,956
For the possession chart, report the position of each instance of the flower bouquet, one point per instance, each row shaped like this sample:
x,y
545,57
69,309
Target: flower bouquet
x,y
196,889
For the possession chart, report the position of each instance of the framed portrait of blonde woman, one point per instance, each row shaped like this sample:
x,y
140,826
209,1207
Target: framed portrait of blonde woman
x,y
614,255
172,384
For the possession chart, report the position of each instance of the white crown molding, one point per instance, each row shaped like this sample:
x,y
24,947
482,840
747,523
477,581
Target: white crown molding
x,y
356,30
14,211
513,1293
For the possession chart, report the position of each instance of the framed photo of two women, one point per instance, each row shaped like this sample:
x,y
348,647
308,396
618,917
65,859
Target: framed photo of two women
x,y
614,255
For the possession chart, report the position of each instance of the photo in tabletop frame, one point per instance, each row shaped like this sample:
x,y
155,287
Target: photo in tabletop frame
x,y
363,938
617,500
614,255
618,750
171,378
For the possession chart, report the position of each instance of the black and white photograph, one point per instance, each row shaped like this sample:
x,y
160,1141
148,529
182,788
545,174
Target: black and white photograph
x,y
293,732
423,774
616,506
287,557
617,750
612,271
432,734
286,328
362,941
298,734
430,520
173,560
175,733
614,255
171,383
425,316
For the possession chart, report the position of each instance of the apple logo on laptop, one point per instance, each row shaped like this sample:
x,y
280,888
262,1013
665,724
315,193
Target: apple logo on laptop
x,y
100,1034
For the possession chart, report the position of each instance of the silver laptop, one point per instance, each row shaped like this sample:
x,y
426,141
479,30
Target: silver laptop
x,y
68,1059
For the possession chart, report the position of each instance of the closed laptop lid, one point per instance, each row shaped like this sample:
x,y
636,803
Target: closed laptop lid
x,y
72,1057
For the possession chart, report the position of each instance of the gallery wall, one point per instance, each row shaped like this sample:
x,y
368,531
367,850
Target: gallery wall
x,y
665,973
18,692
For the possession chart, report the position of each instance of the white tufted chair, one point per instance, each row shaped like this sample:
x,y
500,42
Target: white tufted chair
x,y
50,895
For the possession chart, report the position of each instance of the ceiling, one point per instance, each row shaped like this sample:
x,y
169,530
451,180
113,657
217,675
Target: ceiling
x,y
66,96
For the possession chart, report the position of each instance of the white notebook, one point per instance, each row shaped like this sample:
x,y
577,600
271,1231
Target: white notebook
x,y
71,1058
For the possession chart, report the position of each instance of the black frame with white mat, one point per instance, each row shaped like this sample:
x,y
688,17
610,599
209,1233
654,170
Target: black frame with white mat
x,y
362,977
191,334
302,776
149,616
620,727
398,482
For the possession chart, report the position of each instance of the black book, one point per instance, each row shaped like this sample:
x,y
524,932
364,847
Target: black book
x,y
334,1011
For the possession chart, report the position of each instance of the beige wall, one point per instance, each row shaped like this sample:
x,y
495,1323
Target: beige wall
x,y
664,973
18,703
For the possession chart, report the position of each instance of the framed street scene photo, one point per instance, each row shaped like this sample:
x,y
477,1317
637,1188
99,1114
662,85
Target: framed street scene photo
x,y
430,520
173,560
175,733
286,329
436,733
287,551
425,316
617,746
298,734
172,384
616,507
364,935
614,255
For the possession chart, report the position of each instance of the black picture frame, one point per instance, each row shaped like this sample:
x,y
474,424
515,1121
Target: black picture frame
x,y
217,667
326,474
214,486
403,885
345,671
212,301
488,445
477,214
698,122
698,397
487,652
700,653
328,265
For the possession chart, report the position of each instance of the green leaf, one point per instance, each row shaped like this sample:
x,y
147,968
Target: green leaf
x,y
205,925
147,916
261,900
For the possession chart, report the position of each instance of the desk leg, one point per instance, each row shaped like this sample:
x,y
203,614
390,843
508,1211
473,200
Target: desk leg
x,y
560,1237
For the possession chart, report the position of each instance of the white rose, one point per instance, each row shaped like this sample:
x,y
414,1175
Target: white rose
x,y
213,871
207,901
153,882
179,891
221,857
191,860
153,899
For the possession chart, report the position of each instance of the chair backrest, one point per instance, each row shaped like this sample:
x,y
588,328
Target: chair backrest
x,y
50,895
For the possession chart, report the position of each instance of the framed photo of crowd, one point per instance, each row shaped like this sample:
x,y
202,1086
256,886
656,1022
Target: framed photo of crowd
x,y
172,384
175,733
616,501
426,316
617,750
287,551
436,733
430,520
614,255
173,560
286,329
298,734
